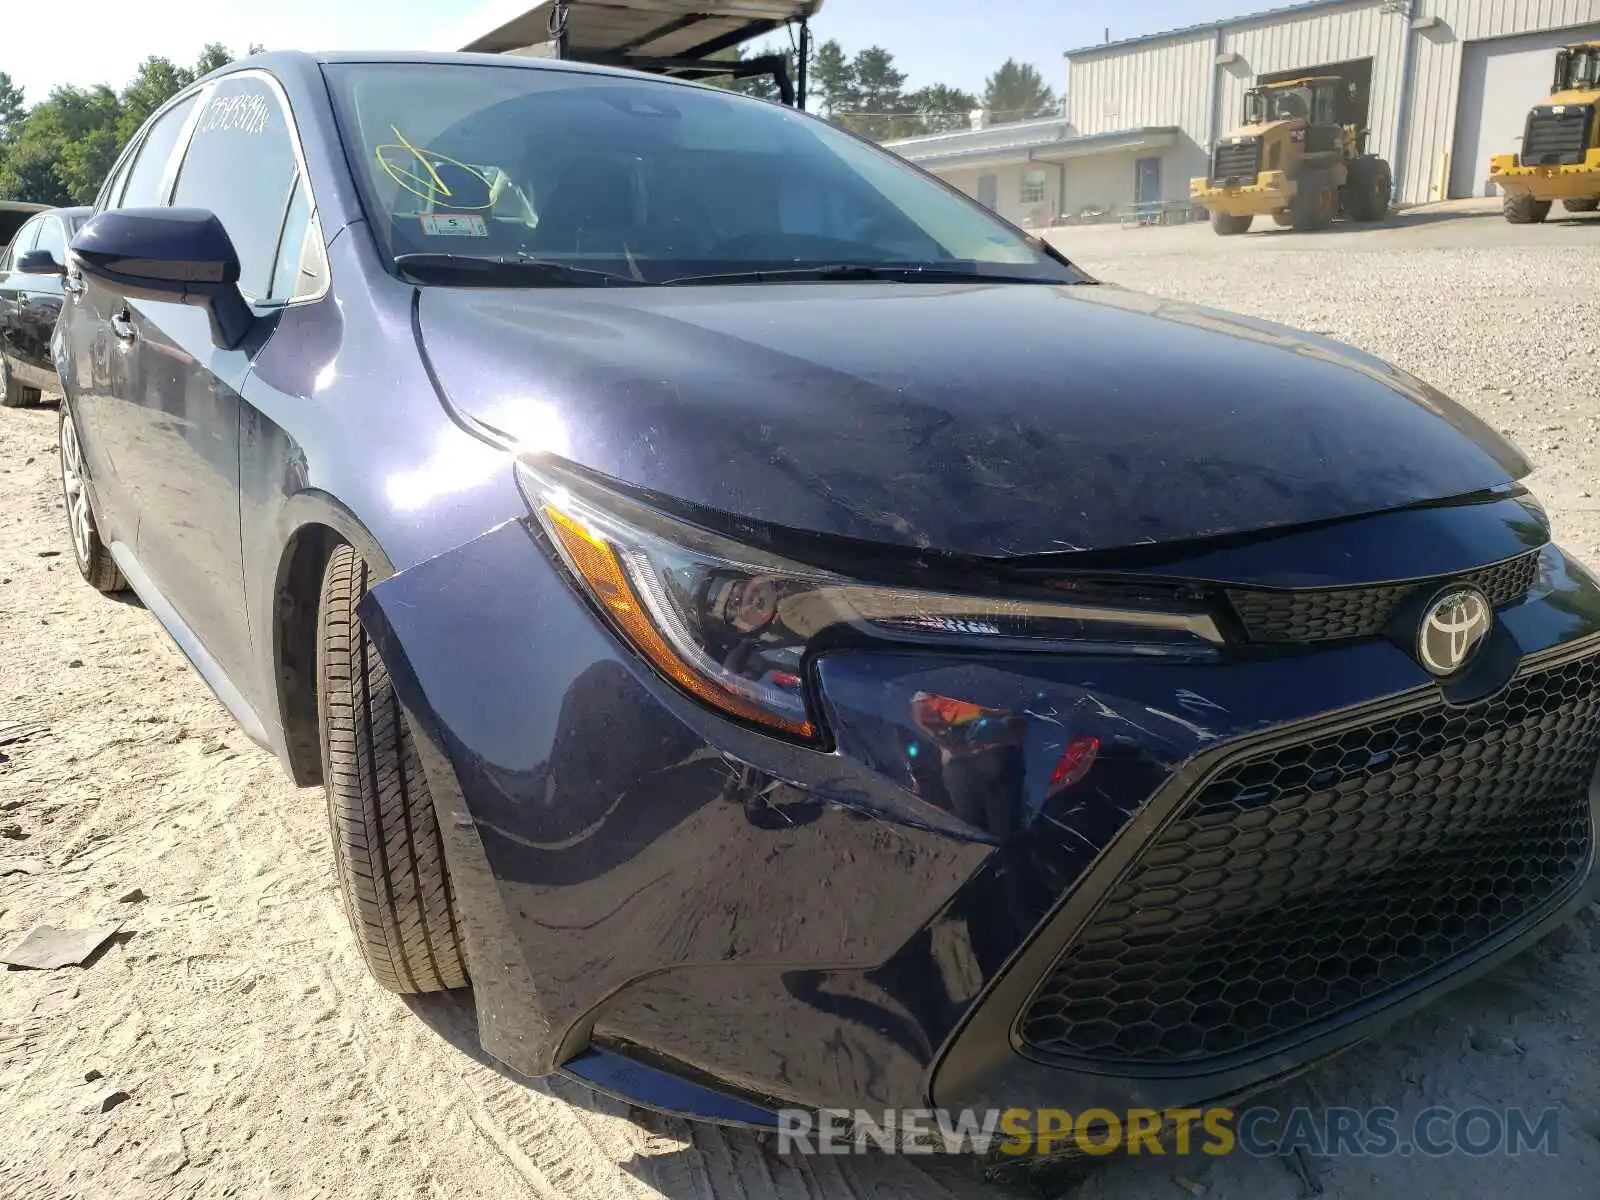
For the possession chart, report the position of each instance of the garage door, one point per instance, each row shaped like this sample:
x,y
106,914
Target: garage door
x,y
1500,81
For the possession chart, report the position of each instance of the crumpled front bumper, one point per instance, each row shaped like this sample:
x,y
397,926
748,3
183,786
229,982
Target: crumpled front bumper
x,y
655,898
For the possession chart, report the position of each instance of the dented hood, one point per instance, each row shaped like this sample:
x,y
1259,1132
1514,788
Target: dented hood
x,y
977,419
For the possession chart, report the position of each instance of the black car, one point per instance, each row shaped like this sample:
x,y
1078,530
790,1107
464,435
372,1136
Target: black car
x,y
789,638
30,304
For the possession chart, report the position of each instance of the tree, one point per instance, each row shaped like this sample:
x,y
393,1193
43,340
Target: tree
x,y
834,80
13,108
58,151
1017,92
215,55
880,111
156,81
941,109
64,148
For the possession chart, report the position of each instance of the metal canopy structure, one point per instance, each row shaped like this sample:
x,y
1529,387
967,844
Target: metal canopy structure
x,y
668,37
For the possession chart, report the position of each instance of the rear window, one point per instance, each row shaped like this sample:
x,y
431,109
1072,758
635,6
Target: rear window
x,y
12,220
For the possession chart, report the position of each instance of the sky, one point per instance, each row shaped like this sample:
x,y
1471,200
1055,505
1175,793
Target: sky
x,y
956,42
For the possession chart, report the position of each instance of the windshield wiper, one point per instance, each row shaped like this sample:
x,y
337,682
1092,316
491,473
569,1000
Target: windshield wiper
x,y
847,272
424,267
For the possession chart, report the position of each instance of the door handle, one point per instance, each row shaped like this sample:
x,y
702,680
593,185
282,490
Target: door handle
x,y
122,326
72,284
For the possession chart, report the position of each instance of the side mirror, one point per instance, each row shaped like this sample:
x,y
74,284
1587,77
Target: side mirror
x,y
39,262
181,255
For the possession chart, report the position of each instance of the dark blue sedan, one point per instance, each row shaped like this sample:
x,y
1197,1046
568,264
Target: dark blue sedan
x,y
789,638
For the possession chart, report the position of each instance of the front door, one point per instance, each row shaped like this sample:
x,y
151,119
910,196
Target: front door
x,y
1147,181
240,165
989,191
98,377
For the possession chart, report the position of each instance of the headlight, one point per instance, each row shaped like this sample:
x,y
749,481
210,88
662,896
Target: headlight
x,y
732,625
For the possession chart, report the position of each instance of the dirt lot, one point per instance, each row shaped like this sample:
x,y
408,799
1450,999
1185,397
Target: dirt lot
x,y
253,1056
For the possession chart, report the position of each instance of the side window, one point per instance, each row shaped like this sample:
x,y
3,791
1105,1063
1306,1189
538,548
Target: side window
x,y
1323,102
148,175
241,166
112,188
302,267
52,238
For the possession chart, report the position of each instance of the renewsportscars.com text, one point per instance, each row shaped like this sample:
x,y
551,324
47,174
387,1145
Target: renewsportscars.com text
x,y
1260,1132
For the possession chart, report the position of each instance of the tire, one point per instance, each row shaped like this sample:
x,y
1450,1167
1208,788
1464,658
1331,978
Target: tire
x,y
94,561
1588,204
1228,225
12,393
1366,189
1314,203
387,848
1282,218
1523,209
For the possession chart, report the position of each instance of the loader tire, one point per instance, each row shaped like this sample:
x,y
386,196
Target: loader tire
x,y
1525,210
1314,204
1228,225
386,842
1588,204
1366,189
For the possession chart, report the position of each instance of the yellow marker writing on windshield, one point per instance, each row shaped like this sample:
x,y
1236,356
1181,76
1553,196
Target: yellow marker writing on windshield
x,y
400,161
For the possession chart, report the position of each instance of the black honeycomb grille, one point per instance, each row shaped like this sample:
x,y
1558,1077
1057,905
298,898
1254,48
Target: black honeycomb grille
x,y
1300,881
1334,613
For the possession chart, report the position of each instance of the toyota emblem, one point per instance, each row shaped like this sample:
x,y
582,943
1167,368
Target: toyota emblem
x,y
1453,627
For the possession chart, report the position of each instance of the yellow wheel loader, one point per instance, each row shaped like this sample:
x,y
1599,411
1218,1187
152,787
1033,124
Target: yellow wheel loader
x,y
1292,160
1560,155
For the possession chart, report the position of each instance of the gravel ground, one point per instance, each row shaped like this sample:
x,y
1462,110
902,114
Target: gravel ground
x,y
228,1042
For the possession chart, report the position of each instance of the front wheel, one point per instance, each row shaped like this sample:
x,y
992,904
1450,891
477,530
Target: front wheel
x,y
1366,189
94,561
386,842
1228,225
1523,209
1314,203
1587,204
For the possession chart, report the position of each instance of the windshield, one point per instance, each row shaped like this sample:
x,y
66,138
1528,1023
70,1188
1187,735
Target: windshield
x,y
1289,105
643,179
1582,70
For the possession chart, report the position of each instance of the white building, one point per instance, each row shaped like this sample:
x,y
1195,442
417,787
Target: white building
x,y
1439,84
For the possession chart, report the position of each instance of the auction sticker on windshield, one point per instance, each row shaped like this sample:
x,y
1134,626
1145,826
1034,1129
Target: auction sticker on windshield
x,y
454,225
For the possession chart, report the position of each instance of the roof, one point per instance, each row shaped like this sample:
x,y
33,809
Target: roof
x,y
23,206
1287,10
1045,140
1045,128
625,29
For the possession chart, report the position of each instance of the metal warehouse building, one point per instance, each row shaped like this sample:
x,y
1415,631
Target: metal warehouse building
x,y
1440,84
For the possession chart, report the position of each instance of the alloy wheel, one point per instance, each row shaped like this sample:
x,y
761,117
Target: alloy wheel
x,y
72,485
